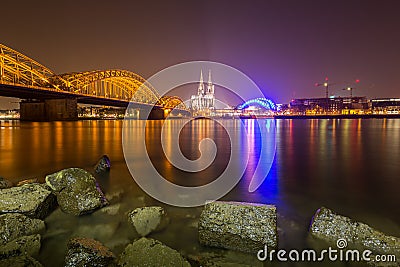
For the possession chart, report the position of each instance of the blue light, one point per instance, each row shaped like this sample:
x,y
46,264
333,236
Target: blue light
x,y
262,102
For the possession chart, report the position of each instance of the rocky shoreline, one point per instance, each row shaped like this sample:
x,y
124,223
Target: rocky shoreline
x,y
237,229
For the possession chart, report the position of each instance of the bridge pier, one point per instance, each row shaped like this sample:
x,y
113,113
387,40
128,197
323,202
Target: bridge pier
x,y
163,113
158,114
154,114
49,110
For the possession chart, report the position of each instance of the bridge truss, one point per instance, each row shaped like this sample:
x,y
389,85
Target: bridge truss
x,y
16,69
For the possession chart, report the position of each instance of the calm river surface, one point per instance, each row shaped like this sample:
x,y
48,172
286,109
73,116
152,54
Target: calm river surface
x,y
350,165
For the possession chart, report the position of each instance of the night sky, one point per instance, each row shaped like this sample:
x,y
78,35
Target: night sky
x,y
284,46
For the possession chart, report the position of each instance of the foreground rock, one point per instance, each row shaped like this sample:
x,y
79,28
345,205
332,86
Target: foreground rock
x,y
25,245
77,191
150,252
329,226
148,219
14,225
88,252
28,181
4,183
103,165
98,231
33,200
20,261
111,210
239,226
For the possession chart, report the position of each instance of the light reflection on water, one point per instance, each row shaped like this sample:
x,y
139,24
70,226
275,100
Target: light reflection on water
x,y
351,166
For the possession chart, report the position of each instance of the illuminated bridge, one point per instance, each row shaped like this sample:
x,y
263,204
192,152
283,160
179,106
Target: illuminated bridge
x,y
51,96
262,103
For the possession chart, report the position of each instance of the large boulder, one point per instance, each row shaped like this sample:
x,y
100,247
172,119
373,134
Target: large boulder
x,y
150,252
103,165
20,261
331,227
148,219
15,225
239,226
33,200
29,245
77,191
4,183
88,252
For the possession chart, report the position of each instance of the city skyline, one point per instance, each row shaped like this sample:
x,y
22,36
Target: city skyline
x,y
284,47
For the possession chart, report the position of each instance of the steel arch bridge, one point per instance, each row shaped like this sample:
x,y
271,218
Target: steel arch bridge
x,y
260,102
115,84
115,87
171,102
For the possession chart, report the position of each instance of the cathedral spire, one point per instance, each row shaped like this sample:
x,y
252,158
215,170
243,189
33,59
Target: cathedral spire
x,y
210,86
204,100
200,91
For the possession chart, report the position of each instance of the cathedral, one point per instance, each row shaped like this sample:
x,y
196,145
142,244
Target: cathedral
x,y
204,100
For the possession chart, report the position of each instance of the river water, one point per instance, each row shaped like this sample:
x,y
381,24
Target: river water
x,y
349,165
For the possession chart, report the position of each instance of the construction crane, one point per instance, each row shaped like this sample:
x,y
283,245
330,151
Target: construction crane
x,y
349,88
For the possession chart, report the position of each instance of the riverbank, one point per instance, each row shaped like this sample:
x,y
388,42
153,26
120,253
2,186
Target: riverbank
x,y
225,233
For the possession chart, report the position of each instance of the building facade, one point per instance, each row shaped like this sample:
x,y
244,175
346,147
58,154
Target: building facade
x,y
386,105
335,105
205,99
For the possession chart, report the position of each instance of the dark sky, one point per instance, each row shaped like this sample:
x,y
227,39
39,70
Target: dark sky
x,y
284,46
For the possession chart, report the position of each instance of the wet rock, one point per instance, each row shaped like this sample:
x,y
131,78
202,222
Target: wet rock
x,y
20,261
28,181
76,190
117,243
115,196
29,245
150,252
330,227
4,183
239,226
148,219
102,231
194,224
33,200
103,165
88,252
15,225
111,210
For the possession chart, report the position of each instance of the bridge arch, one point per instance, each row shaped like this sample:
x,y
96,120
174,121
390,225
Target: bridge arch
x,y
264,103
114,84
171,102
16,68
19,71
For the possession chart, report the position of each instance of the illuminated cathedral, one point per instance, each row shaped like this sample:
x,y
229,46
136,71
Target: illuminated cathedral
x,y
204,100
